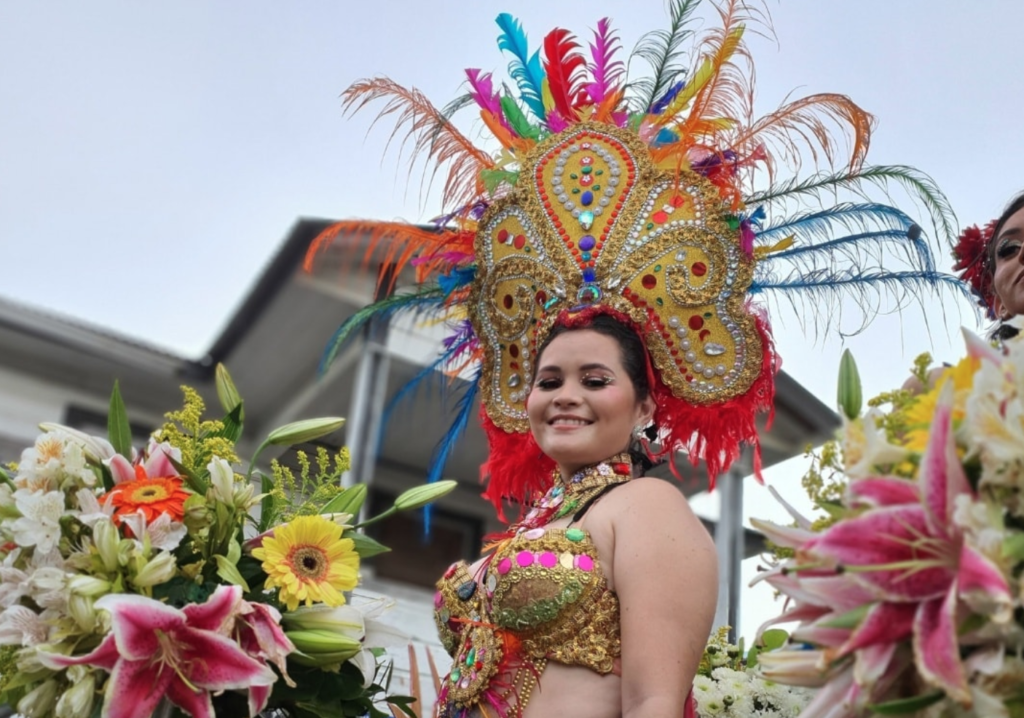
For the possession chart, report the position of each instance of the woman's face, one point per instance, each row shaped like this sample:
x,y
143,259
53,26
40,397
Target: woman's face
x,y
1008,277
583,406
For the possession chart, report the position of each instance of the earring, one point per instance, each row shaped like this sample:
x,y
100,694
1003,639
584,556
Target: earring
x,y
638,432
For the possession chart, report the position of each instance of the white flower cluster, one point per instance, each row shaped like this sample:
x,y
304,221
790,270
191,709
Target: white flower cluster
x,y
729,693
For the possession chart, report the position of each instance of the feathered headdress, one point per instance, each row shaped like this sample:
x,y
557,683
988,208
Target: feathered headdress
x,y
633,198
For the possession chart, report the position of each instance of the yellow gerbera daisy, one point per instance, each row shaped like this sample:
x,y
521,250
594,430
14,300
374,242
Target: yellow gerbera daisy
x,y
308,560
919,414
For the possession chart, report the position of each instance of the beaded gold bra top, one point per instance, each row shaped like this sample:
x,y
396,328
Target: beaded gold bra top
x,y
541,595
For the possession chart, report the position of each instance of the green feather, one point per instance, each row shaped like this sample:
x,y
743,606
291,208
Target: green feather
x,y
517,120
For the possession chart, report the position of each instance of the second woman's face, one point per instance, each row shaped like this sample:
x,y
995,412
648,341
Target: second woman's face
x,y
1008,278
583,406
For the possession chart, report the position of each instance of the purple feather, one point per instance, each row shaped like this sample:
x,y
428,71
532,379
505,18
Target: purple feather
x,y
483,91
606,70
555,122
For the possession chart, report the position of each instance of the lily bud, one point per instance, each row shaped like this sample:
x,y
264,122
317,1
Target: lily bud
x,y
89,586
39,701
299,432
159,569
323,647
197,513
419,496
77,700
226,391
344,620
849,394
82,611
106,538
222,480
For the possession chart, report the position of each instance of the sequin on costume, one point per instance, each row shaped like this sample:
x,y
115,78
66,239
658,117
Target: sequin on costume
x,y
540,596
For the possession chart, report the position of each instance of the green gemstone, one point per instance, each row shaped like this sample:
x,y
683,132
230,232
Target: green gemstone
x,y
456,675
587,170
575,190
599,173
660,301
471,658
596,188
574,176
708,315
526,249
650,225
585,256
575,535
657,267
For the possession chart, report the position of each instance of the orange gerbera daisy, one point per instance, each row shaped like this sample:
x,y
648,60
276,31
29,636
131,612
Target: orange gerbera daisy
x,y
151,496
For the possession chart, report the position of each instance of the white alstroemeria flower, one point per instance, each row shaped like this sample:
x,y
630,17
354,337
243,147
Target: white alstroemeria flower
x,y
39,524
90,509
21,626
55,457
96,448
866,447
48,586
165,533
993,427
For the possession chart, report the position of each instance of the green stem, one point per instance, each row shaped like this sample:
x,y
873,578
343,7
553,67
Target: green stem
x,y
390,512
252,462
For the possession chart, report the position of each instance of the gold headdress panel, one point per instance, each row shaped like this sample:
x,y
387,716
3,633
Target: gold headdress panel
x,y
634,205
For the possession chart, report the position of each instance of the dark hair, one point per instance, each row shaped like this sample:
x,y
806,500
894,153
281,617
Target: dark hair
x,y
631,348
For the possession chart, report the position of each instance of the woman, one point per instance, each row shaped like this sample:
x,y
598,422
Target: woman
x,y
1005,265
596,275
629,639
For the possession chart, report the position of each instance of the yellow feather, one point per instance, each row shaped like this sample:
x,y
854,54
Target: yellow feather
x,y
549,99
777,247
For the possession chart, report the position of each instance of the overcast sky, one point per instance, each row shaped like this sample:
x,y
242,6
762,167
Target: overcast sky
x,y
154,155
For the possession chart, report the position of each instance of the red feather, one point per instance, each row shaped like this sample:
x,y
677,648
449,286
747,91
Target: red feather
x,y
566,71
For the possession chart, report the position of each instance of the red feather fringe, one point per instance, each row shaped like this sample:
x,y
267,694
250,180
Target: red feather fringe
x,y
516,469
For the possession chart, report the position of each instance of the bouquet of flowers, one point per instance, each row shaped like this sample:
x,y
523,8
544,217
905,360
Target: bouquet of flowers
x,y
159,581
908,591
729,684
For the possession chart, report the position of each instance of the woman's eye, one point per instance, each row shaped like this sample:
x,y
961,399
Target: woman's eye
x,y
596,381
549,383
1009,249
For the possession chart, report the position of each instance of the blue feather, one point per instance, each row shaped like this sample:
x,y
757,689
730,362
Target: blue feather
x,y
448,442
847,247
820,294
456,278
525,69
430,300
852,217
661,105
664,137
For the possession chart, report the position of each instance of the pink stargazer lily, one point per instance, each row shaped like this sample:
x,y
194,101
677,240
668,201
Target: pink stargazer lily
x,y
154,650
910,557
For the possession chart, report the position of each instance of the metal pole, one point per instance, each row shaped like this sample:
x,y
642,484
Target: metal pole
x,y
366,409
729,537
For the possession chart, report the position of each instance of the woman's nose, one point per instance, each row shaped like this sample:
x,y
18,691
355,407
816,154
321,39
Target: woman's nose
x,y
566,396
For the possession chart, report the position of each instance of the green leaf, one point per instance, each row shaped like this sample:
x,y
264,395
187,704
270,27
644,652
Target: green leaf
x,y
1013,547
493,179
366,547
752,657
267,512
232,430
234,551
229,572
774,638
907,705
191,478
850,619
118,429
348,501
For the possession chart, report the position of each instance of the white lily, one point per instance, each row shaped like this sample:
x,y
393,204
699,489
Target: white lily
x,y
222,480
866,447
